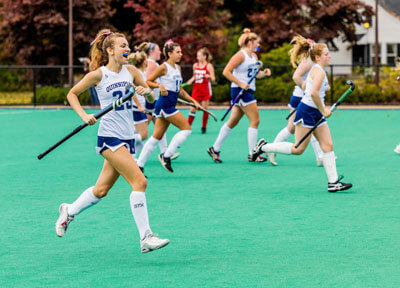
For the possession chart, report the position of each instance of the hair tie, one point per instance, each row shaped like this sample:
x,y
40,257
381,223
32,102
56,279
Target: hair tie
x,y
311,43
106,33
246,35
150,48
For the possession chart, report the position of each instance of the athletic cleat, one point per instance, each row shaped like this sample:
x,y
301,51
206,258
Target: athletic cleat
x,y
257,150
151,242
63,220
165,162
258,158
214,155
397,149
339,186
203,130
175,155
271,159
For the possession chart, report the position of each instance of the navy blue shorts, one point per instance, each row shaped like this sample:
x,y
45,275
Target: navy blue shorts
x,y
139,117
150,106
308,116
166,105
246,98
294,102
113,143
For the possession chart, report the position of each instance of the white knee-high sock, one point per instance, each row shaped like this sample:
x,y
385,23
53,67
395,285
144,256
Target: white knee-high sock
x,y
178,139
162,144
139,211
279,147
283,135
147,150
252,134
138,144
329,161
317,149
83,202
223,133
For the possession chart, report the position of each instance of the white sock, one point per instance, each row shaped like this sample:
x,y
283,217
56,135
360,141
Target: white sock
x,y
317,149
138,144
223,133
139,211
84,201
329,160
162,144
147,150
178,139
280,147
283,135
252,134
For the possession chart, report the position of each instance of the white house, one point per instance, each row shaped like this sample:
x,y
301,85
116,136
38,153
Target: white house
x,y
363,51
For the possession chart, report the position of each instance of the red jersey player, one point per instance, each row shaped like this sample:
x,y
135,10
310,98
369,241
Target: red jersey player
x,y
203,72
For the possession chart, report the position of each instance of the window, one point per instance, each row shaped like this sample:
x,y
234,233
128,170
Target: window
x,y
373,53
391,53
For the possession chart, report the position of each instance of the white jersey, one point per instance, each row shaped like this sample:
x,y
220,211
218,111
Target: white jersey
x,y
141,98
307,99
118,122
172,81
298,92
155,90
246,70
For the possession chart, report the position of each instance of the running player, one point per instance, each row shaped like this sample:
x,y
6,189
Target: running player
x,y
153,53
170,77
309,112
110,75
203,72
239,70
139,60
299,76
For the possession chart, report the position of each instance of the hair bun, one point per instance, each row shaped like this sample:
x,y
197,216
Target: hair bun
x,y
246,30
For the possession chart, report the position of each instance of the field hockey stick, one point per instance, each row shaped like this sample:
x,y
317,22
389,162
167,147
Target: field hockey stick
x,y
260,64
204,110
333,108
291,113
130,91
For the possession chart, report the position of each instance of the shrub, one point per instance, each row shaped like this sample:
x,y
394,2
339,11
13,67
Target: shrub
x,y
56,95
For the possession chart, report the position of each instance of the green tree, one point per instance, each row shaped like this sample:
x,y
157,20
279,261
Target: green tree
x,y
36,31
191,23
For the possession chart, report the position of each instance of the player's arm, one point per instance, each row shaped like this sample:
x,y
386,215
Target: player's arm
x,y
234,62
151,81
90,79
141,87
211,70
302,69
318,77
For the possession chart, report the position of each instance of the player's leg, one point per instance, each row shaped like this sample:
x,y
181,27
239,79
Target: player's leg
x,y
160,127
128,169
89,197
323,135
234,118
204,103
178,120
251,111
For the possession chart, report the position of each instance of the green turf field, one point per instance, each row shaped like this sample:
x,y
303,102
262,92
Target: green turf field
x,y
236,224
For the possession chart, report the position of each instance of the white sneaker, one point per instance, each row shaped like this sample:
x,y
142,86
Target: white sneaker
x,y
63,220
397,149
151,242
271,159
175,155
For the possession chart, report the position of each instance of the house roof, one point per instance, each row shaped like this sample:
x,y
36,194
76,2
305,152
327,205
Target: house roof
x,y
392,6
